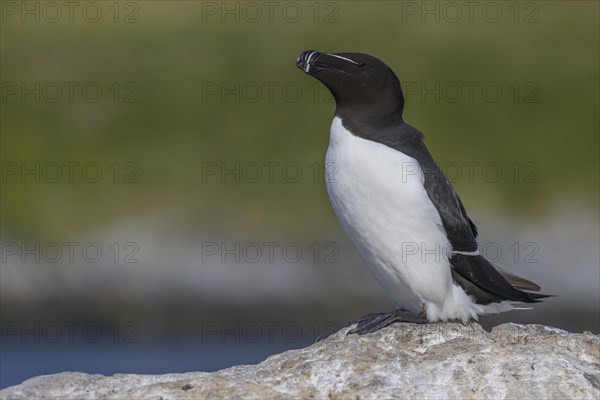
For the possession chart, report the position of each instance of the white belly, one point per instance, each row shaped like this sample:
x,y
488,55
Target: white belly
x,y
378,195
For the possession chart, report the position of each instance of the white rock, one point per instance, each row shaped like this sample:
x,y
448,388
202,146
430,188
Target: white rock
x,y
435,361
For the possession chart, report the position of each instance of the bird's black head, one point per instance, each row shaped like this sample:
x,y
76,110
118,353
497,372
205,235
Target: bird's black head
x,y
359,82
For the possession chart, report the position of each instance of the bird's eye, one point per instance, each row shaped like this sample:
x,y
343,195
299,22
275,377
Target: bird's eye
x,y
362,66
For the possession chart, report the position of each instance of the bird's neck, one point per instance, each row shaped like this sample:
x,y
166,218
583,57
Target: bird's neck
x,y
371,116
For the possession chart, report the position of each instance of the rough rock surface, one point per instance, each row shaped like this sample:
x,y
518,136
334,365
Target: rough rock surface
x,y
434,361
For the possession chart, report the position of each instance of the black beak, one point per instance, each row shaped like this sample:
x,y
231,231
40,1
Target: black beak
x,y
311,62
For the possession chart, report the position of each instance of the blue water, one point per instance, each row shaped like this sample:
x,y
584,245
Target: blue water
x,y
20,361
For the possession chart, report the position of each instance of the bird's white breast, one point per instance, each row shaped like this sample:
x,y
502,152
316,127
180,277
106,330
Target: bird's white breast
x,y
378,195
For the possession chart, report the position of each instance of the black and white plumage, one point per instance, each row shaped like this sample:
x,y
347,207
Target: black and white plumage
x,y
390,196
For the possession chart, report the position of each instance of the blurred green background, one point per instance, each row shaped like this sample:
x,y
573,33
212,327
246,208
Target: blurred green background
x,y
170,53
186,87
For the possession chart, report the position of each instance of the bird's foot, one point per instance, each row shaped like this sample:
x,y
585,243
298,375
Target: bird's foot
x,y
373,322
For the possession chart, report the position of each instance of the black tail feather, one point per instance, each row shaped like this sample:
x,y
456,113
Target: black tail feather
x,y
478,277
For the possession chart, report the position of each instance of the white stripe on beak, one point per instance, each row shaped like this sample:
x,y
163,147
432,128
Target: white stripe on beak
x,y
342,58
307,63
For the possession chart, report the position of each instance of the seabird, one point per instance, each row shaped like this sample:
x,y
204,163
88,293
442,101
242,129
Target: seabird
x,y
398,208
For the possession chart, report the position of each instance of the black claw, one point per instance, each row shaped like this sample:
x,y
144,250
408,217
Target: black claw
x,y
373,322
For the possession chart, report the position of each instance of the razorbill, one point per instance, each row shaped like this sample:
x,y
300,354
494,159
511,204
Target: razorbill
x,y
398,208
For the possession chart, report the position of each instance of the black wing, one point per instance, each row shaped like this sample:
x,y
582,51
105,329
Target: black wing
x,y
460,230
